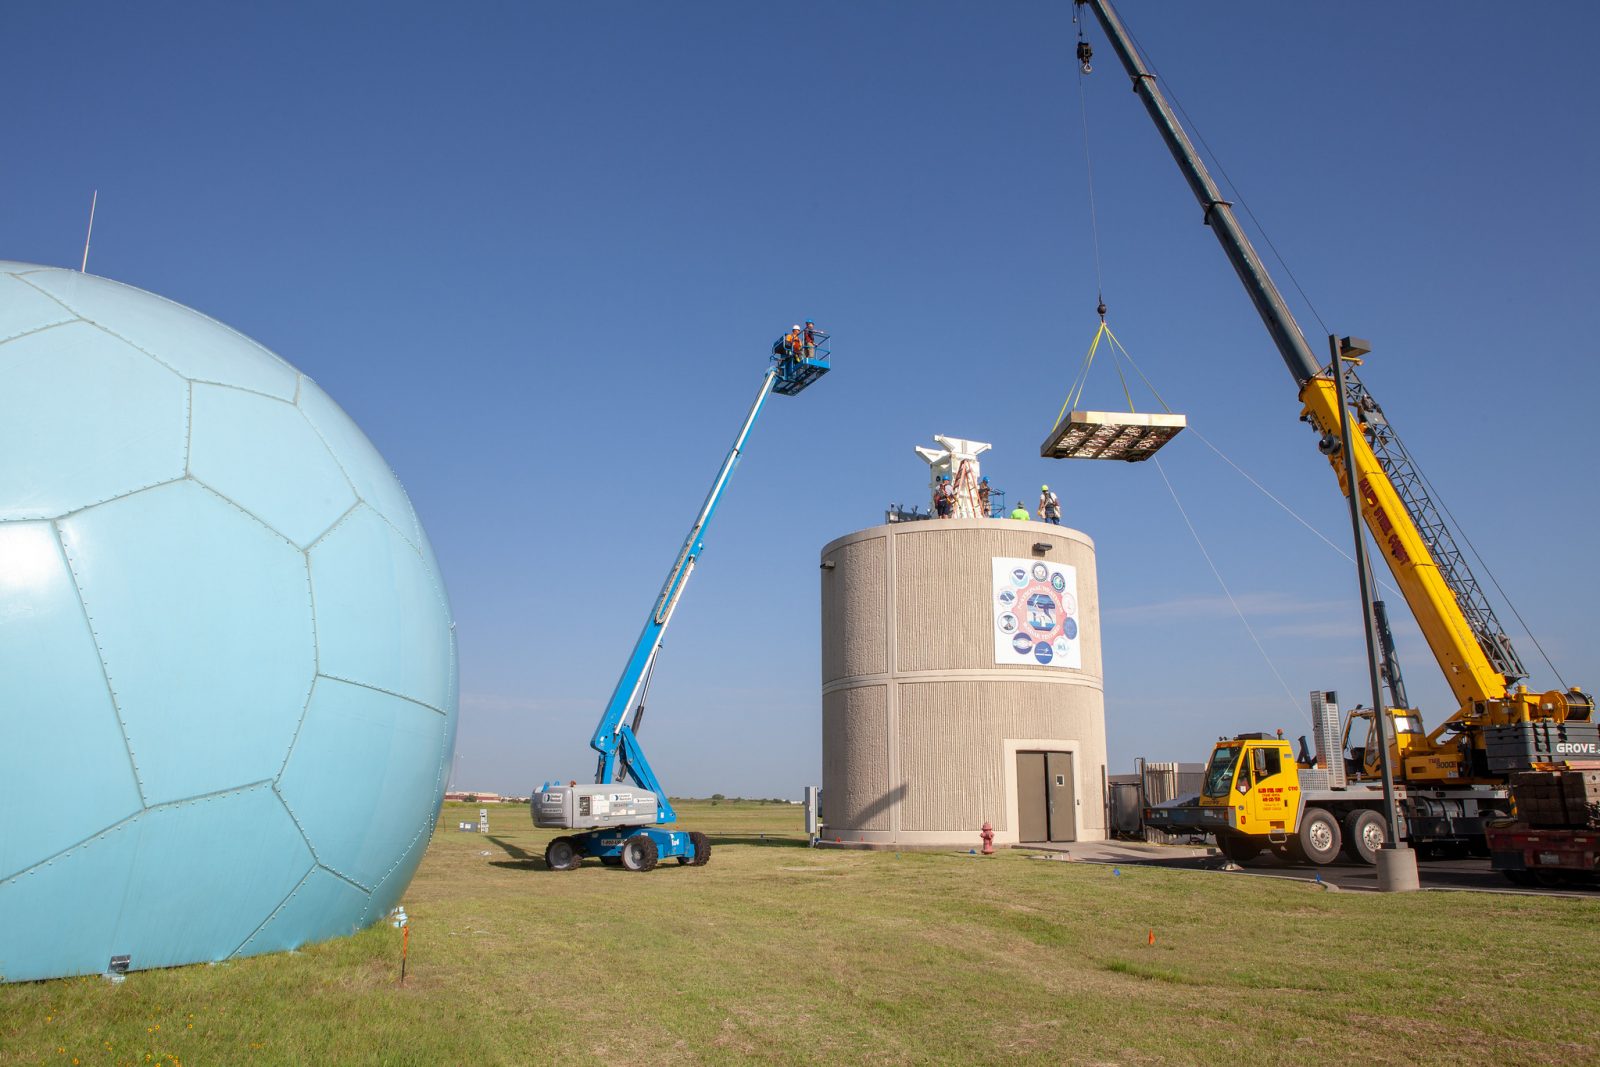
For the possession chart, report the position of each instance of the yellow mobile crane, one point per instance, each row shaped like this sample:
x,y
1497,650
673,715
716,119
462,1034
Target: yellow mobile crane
x,y
1447,782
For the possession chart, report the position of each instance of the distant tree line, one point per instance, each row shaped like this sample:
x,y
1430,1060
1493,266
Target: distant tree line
x,y
718,798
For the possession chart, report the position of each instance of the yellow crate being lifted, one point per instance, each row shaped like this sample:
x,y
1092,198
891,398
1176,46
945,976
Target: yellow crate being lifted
x,y
1127,435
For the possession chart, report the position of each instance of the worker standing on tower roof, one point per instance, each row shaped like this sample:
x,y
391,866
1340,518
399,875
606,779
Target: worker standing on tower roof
x,y
983,497
944,498
1049,505
1019,512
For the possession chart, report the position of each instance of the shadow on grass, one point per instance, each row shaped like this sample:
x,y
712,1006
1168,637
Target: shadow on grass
x,y
767,841
1148,972
521,858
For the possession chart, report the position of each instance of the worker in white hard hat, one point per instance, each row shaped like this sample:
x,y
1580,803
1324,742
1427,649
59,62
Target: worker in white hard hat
x,y
792,339
1049,505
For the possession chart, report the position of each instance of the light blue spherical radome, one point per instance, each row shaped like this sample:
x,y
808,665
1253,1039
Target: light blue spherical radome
x,y
227,663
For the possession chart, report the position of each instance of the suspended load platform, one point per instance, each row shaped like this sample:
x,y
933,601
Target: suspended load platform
x,y
802,357
1127,435
1130,436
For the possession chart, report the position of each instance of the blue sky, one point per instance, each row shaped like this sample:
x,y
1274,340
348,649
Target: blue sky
x,y
538,252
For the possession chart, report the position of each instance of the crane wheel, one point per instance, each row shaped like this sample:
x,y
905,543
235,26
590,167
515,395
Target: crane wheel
x,y
562,855
1237,848
1365,831
1319,837
639,853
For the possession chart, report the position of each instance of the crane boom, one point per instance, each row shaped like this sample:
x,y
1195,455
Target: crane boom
x,y
1467,641
1477,661
1218,213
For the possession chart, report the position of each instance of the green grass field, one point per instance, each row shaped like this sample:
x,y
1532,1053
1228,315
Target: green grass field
x,y
775,953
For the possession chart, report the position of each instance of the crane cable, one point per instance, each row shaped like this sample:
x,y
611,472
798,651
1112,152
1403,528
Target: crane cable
x,y
1229,594
1239,200
1085,53
1075,391
1246,475
1244,205
1493,580
1085,68
1117,348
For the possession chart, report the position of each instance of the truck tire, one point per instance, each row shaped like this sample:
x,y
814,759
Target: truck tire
x,y
639,853
1365,832
701,845
562,855
1319,838
1238,848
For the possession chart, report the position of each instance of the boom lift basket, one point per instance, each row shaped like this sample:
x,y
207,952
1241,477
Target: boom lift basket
x,y
799,368
1127,436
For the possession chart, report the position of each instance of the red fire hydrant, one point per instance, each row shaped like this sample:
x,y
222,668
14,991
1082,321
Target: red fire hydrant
x,y
987,833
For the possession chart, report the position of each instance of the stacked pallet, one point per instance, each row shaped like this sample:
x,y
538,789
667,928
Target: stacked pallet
x,y
1566,795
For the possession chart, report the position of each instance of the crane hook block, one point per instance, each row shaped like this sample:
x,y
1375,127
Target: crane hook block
x,y
1085,53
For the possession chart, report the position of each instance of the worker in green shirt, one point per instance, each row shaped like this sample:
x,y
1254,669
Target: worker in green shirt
x,y
1020,513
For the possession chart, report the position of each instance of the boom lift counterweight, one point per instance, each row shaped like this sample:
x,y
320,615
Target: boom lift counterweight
x,y
620,824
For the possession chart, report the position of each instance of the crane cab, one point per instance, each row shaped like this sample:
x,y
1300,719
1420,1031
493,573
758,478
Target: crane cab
x,y
1415,757
1255,777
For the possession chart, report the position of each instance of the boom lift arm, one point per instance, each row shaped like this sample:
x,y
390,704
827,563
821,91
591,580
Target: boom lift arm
x,y
619,826
1467,641
616,738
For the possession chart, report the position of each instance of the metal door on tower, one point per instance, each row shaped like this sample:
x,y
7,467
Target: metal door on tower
x,y
1047,803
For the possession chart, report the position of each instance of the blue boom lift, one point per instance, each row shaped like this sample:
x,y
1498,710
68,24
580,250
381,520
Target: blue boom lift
x,y
616,823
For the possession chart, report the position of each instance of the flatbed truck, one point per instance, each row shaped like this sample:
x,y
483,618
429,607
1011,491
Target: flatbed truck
x,y
1555,837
